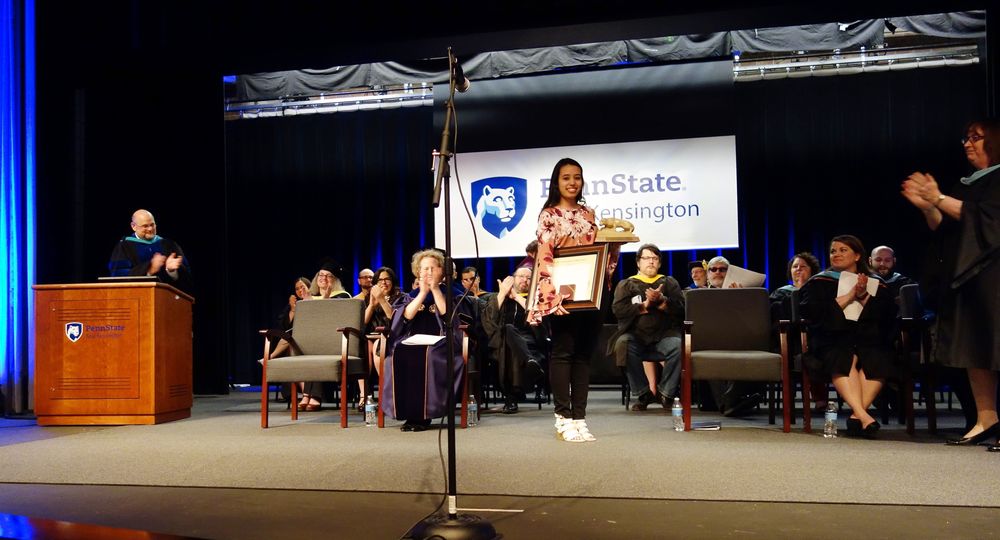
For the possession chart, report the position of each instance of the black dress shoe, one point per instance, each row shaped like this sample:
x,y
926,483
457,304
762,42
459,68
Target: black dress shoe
x,y
745,407
993,447
988,433
667,402
643,401
853,427
534,370
870,430
509,408
406,427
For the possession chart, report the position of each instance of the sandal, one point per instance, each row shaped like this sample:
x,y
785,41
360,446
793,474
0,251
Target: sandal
x,y
309,404
566,430
581,426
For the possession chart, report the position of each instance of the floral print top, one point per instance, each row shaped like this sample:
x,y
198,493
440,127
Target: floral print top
x,y
558,227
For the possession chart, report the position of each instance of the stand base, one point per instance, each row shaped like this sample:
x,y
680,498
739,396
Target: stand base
x,y
462,527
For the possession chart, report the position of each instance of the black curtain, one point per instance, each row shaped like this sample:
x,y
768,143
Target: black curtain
x,y
352,186
823,156
816,157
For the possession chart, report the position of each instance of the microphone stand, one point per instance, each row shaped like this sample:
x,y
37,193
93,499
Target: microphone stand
x,y
454,526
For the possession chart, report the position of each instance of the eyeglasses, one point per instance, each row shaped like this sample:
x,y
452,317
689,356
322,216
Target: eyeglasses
x,y
718,269
327,276
973,138
650,258
364,277
385,279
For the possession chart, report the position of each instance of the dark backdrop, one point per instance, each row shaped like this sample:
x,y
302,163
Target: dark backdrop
x,y
592,106
816,157
352,186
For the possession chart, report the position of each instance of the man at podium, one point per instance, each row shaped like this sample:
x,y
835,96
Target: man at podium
x,y
145,253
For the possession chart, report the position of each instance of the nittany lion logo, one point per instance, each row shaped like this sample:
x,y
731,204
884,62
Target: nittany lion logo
x,y
499,202
74,331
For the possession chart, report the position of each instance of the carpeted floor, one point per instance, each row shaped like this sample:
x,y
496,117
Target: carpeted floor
x,y
636,455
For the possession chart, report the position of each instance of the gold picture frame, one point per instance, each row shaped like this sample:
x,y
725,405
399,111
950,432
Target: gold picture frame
x,y
578,272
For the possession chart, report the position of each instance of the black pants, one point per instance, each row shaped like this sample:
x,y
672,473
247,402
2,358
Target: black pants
x,y
574,337
521,346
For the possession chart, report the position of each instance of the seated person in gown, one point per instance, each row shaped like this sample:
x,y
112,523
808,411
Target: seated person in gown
x,y
650,311
378,311
517,346
801,267
416,387
855,349
699,275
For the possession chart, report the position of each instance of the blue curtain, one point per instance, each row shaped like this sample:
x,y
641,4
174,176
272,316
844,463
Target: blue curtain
x,y
17,217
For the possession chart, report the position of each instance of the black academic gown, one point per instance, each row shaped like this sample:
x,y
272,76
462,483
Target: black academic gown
x,y
967,291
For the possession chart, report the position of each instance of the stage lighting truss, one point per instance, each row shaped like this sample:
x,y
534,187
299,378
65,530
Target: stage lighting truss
x,y
837,62
359,99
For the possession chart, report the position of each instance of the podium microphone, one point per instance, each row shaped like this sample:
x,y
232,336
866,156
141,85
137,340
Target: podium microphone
x,y
462,84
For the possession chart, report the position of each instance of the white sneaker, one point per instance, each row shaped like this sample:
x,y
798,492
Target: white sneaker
x,y
581,427
566,430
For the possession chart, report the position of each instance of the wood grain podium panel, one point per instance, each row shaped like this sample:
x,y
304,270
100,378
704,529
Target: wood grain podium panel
x,y
112,354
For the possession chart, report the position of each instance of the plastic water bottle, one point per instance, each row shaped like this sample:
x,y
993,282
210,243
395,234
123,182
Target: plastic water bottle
x,y
678,413
473,411
830,425
371,419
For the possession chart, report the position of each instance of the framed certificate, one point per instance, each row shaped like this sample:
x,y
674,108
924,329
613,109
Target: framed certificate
x,y
578,275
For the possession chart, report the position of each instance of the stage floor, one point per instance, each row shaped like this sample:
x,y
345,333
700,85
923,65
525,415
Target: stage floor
x,y
218,475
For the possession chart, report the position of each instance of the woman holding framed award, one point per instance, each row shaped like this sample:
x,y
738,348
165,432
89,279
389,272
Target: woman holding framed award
x,y
566,221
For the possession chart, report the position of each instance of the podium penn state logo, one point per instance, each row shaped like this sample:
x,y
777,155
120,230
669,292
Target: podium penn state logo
x,y
74,331
499,202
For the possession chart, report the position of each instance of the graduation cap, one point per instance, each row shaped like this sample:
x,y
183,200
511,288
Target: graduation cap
x,y
697,264
331,265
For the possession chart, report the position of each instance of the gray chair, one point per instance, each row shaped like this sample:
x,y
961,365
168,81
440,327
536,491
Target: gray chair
x,y
326,345
727,337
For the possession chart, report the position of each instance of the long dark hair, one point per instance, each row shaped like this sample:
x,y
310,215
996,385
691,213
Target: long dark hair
x,y
392,275
856,246
553,199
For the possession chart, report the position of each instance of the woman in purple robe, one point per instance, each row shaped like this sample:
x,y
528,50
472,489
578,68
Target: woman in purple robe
x,y
416,376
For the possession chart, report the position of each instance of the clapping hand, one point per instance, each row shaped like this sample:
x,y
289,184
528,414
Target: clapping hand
x,y
156,263
174,262
376,294
505,288
921,190
654,296
861,287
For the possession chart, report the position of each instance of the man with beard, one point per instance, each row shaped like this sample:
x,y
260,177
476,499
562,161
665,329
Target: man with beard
x,y
517,346
650,311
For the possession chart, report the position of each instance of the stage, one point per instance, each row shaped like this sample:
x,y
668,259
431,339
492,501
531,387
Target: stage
x,y
230,479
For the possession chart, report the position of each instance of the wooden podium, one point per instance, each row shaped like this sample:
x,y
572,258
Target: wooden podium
x,y
109,354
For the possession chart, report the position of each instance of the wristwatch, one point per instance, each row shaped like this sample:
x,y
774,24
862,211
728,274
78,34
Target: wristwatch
x,y
939,199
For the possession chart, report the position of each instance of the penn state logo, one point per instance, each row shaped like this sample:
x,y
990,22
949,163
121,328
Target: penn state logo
x,y
74,331
499,202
